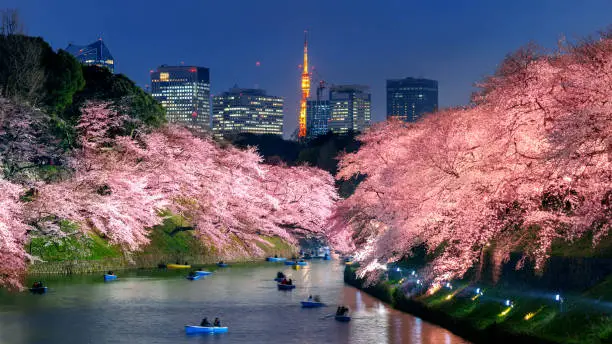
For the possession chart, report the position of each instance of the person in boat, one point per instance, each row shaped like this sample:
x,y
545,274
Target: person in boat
x,y
310,298
276,256
284,281
341,310
217,323
186,263
205,323
280,275
221,262
110,273
317,298
192,274
290,282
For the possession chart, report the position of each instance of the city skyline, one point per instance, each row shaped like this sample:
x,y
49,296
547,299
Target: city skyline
x,y
263,48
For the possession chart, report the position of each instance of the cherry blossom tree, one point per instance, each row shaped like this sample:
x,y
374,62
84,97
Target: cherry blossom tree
x,y
121,184
530,159
12,235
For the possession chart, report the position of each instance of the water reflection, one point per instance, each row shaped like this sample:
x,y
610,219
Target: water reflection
x,y
375,322
153,306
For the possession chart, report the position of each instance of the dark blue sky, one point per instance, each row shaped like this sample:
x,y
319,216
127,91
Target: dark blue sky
x,y
351,41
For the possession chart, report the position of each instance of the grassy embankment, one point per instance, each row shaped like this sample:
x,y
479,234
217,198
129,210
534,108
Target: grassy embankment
x,y
82,253
535,317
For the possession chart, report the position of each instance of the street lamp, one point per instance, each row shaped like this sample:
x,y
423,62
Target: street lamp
x,y
559,299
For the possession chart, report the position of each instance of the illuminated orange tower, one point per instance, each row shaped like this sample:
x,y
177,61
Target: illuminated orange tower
x,y
305,89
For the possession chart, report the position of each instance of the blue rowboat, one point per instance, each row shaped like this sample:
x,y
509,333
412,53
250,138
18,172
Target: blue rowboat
x,y
38,290
301,263
110,277
343,318
204,329
285,286
194,278
222,265
312,304
290,262
203,273
276,259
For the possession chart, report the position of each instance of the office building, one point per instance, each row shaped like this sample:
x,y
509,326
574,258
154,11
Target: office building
x,y
318,114
409,99
350,108
242,110
184,91
95,54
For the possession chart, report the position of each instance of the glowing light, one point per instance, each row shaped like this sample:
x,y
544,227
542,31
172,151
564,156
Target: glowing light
x,y
477,290
257,63
164,76
413,273
418,281
434,289
450,296
505,312
508,303
449,286
529,316
399,270
557,297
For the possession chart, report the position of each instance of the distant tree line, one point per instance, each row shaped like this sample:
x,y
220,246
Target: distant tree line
x,y
323,152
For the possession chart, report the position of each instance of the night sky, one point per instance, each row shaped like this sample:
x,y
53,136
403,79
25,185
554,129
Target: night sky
x,y
351,41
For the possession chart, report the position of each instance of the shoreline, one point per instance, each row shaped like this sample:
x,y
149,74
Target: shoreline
x,y
460,327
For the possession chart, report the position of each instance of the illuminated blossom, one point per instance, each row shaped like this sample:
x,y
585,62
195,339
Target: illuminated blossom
x,y
529,163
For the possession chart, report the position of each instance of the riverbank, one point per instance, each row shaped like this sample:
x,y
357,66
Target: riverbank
x,y
485,318
77,253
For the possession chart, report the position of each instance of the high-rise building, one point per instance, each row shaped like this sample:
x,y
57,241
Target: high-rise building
x,y
95,54
305,91
243,110
350,108
184,91
408,99
318,114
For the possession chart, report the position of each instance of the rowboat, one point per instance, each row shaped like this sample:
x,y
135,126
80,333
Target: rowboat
x,y
222,265
203,273
110,277
301,263
194,278
285,286
343,318
289,262
38,290
276,259
178,266
312,304
204,329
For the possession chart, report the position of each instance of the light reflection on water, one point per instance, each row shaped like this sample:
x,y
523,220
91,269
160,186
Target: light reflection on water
x,y
153,306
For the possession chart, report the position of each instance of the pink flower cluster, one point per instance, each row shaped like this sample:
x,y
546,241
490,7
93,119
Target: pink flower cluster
x,y
527,164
